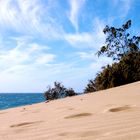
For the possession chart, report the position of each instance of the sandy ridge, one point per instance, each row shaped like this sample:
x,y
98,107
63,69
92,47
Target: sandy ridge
x,y
112,114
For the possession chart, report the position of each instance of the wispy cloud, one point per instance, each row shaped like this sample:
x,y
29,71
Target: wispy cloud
x,y
26,62
126,7
28,17
25,53
45,40
79,40
86,55
93,39
123,7
75,6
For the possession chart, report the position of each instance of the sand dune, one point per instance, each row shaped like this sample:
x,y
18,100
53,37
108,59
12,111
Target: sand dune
x,y
112,114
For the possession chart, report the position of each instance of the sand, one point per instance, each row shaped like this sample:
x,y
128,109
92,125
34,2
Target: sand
x,y
112,114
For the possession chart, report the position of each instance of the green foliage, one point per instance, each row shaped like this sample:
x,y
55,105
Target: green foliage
x,y
124,72
58,91
90,87
123,48
119,42
130,66
70,92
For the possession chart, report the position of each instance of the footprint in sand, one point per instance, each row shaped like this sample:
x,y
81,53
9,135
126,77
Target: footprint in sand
x,y
25,124
121,108
80,134
70,108
78,115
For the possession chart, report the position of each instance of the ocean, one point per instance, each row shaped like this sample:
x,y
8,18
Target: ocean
x,y
10,100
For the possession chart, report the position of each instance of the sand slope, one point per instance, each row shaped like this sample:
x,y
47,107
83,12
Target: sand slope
x,y
112,114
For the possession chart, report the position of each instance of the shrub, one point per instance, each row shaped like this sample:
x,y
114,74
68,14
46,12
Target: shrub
x,y
58,91
127,70
124,50
90,87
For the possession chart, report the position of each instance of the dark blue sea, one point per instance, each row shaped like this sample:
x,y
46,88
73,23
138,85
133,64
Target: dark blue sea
x,y
11,100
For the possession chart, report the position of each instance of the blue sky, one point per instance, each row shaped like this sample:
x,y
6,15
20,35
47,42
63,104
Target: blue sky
x,y
42,41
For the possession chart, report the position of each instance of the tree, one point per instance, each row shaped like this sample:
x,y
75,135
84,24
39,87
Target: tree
x,y
125,50
70,92
127,70
58,91
90,87
130,65
119,42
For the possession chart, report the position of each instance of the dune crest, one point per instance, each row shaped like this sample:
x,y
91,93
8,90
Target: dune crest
x,y
112,114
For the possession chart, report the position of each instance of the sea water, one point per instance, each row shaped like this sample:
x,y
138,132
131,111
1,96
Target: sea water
x,y
10,100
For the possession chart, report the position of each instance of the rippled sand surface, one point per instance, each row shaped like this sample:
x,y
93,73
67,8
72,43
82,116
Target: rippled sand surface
x,y
112,114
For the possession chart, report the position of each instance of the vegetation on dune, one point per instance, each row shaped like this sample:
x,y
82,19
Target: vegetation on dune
x,y
91,87
119,42
124,72
124,50
58,91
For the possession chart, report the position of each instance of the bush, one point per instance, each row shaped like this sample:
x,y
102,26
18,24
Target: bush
x,y
90,87
124,72
58,91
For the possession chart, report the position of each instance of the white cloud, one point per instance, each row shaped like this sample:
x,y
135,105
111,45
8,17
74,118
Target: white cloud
x,y
124,8
14,14
25,53
29,65
96,62
79,40
94,39
86,55
29,17
75,6
127,6
36,77
100,62
44,59
25,63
